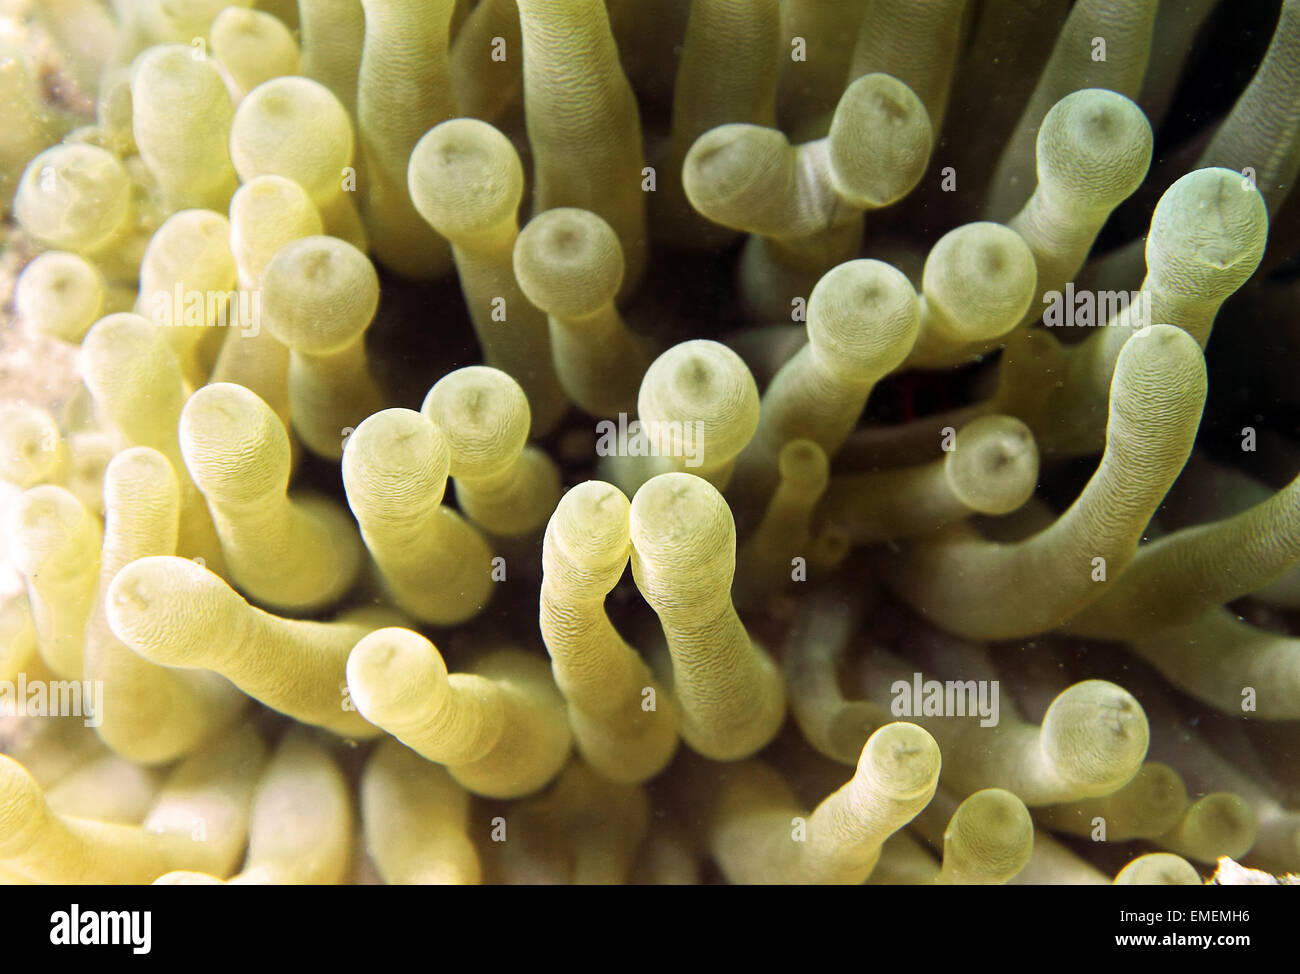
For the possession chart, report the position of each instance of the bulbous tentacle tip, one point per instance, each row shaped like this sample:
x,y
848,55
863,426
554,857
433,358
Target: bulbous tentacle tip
x,y
483,415
590,525
1159,365
1095,146
465,177
319,294
138,604
993,468
880,141
43,522
863,317
1096,734
182,877
706,385
901,761
981,277
569,262
74,197
991,835
234,445
1208,234
733,173
396,454
1158,869
678,518
803,461
392,671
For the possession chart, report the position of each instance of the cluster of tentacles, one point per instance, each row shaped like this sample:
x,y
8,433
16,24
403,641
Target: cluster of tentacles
x,y
869,425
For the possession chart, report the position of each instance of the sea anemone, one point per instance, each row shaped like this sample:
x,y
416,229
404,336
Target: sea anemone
x,y
656,441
